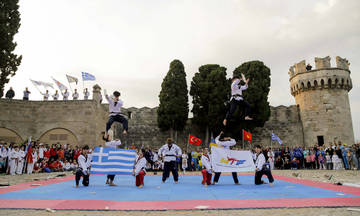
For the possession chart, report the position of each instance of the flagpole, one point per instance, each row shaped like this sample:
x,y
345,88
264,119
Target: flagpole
x,y
271,139
243,138
187,144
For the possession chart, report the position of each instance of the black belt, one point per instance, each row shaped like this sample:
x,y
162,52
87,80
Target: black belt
x,y
237,95
170,155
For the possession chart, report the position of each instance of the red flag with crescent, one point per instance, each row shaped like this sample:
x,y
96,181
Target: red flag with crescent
x,y
247,135
194,141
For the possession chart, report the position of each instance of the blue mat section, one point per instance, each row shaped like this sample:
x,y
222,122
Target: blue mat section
x,y
188,188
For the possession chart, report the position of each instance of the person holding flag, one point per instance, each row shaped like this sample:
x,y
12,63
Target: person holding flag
x,y
225,142
46,95
86,94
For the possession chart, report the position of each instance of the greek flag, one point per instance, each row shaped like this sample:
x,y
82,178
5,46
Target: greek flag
x,y
86,76
276,138
112,161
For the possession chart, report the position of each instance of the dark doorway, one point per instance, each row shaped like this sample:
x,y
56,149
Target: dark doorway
x,y
320,140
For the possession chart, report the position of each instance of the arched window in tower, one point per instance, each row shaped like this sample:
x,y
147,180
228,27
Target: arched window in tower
x,y
315,83
322,83
329,83
297,87
302,86
342,82
336,82
347,82
308,84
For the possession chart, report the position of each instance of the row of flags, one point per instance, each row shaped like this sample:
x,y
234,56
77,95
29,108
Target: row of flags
x,y
247,136
71,79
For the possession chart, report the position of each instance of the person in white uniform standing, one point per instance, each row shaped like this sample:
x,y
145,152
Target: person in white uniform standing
x,y
169,152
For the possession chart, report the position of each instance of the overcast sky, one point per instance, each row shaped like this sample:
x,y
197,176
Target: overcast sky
x,y
128,45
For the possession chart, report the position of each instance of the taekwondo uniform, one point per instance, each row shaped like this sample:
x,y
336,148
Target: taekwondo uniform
x,y
237,99
13,159
83,170
115,115
56,96
140,171
66,96
21,161
75,95
169,154
262,168
206,172
33,160
226,145
86,95
113,143
46,96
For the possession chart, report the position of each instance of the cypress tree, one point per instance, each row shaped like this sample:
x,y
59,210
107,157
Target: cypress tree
x,y
9,25
174,107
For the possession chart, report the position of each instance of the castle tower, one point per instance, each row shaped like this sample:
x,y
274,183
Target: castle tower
x,y
322,97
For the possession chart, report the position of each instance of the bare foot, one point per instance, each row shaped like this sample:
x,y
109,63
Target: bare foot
x,y
224,122
248,118
213,183
112,184
140,186
107,181
205,184
77,186
271,184
176,182
124,132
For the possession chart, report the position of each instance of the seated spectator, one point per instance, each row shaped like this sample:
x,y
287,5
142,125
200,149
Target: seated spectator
x,y
279,163
67,166
287,164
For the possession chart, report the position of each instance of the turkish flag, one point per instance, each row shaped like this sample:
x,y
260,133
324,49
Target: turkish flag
x,y
247,135
194,141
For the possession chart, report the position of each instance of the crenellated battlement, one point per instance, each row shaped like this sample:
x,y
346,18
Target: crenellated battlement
x,y
322,77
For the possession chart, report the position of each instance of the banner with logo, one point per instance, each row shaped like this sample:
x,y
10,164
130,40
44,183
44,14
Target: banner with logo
x,y
224,160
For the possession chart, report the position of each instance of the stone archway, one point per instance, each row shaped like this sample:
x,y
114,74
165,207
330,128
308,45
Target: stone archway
x,y
9,135
59,135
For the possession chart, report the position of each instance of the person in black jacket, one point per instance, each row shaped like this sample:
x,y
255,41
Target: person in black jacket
x,y
10,94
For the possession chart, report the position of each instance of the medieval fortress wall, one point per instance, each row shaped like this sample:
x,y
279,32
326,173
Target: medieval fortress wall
x,y
322,110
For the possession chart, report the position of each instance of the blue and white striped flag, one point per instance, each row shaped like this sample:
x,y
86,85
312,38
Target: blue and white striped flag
x,y
276,138
86,76
112,161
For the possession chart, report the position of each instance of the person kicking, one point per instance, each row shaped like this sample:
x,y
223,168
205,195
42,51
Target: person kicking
x,y
115,114
237,99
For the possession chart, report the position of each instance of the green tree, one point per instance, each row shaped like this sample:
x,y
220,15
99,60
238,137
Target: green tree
x,y
174,106
256,95
210,90
9,25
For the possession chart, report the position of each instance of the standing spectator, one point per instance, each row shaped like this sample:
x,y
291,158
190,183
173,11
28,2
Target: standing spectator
x,y
86,94
26,94
32,158
328,162
184,162
10,94
321,161
42,149
75,95
56,95
349,157
336,161
21,160
312,159
13,159
308,164
65,95
354,159
53,152
46,95
61,154
308,67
